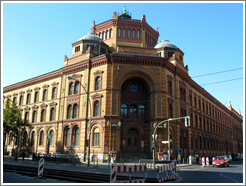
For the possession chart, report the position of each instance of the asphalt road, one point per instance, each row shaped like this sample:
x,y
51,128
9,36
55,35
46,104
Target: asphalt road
x,y
199,174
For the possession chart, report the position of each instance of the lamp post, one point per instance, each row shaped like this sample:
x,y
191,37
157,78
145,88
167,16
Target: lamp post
x,y
187,123
18,136
87,92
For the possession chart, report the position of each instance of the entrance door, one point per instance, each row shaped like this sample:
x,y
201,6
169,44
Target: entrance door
x,y
132,140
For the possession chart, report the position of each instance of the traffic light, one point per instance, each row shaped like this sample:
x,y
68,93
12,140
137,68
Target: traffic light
x,y
187,121
153,144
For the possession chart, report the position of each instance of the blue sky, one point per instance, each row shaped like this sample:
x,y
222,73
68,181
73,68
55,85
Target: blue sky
x,y
37,36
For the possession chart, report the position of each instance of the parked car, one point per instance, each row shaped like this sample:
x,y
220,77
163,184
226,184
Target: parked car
x,y
235,156
220,161
228,157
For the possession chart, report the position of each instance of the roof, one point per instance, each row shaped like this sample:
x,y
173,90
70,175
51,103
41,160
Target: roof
x,y
91,36
165,43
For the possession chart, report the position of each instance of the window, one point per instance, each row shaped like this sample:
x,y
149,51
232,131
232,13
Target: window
x,y
170,111
54,93
43,115
71,88
107,35
129,33
133,33
75,111
141,110
124,32
119,32
34,116
52,114
33,138
104,35
67,137
69,112
77,48
21,100
52,138
133,88
45,95
133,112
76,140
170,54
96,137
124,111
41,138
36,97
191,142
138,32
26,116
96,108
14,99
170,87
28,98
98,83
111,33
10,141
76,87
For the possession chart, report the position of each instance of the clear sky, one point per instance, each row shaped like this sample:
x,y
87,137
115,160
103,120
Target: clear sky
x,y
36,37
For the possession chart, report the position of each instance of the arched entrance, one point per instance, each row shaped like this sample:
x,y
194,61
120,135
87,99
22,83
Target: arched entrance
x,y
132,140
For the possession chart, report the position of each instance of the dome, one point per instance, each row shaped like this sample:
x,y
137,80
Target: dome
x,y
165,43
91,36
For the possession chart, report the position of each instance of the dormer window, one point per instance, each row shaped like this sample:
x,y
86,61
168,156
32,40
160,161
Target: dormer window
x,y
77,48
170,54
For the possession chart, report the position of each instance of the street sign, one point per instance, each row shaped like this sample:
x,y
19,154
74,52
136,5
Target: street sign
x,y
165,142
49,136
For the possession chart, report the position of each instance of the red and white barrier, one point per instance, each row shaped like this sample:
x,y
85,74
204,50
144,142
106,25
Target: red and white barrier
x,y
203,161
207,161
114,169
41,167
166,168
200,160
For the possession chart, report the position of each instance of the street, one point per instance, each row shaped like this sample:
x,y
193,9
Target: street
x,y
199,174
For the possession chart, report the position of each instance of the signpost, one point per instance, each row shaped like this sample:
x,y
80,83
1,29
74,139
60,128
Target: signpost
x,y
49,137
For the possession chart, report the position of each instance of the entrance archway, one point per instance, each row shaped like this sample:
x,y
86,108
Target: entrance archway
x,y
132,140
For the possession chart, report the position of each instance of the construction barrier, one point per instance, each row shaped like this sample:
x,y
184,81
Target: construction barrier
x,y
41,167
207,161
114,169
200,160
203,161
169,169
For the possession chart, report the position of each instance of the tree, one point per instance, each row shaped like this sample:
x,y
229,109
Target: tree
x,y
12,123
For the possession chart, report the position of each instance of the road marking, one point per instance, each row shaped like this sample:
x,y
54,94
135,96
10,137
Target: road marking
x,y
229,178
180,178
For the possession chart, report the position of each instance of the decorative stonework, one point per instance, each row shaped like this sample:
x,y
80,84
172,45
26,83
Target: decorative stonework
x,y
35,107
22,92
29,91
97,96
45,86
53,104
55,84
27,108
37,89
98,72
156,71
43,105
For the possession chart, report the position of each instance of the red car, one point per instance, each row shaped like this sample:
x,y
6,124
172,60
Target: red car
x,y
220,161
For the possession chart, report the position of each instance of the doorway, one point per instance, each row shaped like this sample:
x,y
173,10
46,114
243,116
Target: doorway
x,y
132,140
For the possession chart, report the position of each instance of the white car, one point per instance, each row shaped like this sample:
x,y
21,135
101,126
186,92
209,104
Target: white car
x,y
228,157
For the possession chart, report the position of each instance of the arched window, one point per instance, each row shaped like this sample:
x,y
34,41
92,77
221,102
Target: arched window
x,y
54,93
26,116
52,138
119,32
36,97
69,112
111,33
96,108
33,138
24,139
14,99
107,35
138,34
34,116
75,111
77,87
71,88
141,110
67,137
45,95
124,32
103,35
52,114
129,33
43,115
124,111
21,100
98,83
96,137
10,141
133,33
28,98
191,142
41,138
133,112
76,140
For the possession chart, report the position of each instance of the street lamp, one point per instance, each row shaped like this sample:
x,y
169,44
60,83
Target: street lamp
x,y
187,123
18,136
87,92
